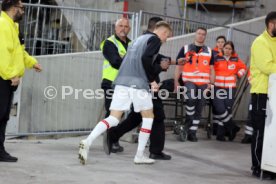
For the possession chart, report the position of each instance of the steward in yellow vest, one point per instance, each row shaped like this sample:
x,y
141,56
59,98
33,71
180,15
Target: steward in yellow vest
x,y
114,49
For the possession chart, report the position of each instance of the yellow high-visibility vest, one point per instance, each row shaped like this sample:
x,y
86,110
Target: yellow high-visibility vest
x,y
263,62
14,59
109,72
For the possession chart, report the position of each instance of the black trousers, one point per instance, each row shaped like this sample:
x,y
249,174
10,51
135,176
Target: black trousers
x,y
248,130
222,106
108,93
6,95
157,136
258,115
195,103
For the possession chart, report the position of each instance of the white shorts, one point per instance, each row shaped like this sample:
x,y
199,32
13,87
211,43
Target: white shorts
x,y
124,96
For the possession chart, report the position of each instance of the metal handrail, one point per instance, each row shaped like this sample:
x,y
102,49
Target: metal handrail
x,y
193,21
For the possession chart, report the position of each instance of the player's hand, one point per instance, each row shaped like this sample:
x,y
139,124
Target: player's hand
x,y
154,86
15,81
182,61
37,67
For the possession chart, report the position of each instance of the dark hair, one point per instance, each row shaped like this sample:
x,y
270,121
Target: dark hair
x,y
163,24
221,37
231,44
202,28
270,16
152,22
7,4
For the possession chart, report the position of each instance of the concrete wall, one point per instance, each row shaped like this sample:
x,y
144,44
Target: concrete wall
x,y
269,5
171,8
80,71
95,4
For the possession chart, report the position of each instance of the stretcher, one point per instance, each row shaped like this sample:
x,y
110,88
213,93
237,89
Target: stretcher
x,y
177,118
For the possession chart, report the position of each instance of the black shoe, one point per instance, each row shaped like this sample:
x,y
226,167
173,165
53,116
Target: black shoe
x,y
233,133
192,137
161,156
7,158
116,148
247,139
266,175
221,138
106,143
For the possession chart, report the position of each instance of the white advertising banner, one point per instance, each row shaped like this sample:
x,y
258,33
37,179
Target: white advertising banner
x,y
269,145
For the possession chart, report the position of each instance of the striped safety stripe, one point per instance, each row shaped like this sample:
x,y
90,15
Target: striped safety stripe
x,y
192,74
196,80
248,132
145,130
227,118
221,84
190,113
249,128
225,78
106,123
190,108
221,115
196,122
193,128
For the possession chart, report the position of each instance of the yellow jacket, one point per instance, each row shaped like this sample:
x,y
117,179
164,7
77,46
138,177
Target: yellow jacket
x,y
14,59
263,62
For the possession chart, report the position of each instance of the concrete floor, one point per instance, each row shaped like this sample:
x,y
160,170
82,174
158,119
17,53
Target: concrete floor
x,y
55,161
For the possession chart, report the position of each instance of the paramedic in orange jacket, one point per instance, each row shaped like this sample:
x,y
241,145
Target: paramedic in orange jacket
x,y
227,67
220,41
197,75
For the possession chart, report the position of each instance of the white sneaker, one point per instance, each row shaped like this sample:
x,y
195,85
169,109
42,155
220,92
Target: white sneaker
x,y
143,160
83,151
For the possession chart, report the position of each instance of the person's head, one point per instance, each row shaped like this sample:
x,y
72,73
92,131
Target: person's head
x,y
228,48
122,27
152,22
163,30
14,8
220,41
270,22
200,35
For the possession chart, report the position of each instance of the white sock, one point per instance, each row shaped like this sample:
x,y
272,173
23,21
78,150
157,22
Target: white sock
x,y
144,136
101,127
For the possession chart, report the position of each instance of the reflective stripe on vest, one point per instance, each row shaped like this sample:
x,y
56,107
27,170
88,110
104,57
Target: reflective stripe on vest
x,y
109,72
198,71
225,81
225,85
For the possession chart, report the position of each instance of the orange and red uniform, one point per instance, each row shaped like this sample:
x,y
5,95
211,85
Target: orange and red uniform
x,y
197,70
227,71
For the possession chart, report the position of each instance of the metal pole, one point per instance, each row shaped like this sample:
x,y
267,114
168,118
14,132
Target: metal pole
x,y
256,13
196,9
230,33
233,12
139,23
165,7
185,10
36,28
133,25
180,8
43,32
184,17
